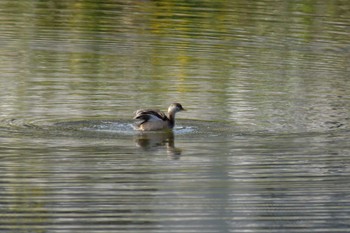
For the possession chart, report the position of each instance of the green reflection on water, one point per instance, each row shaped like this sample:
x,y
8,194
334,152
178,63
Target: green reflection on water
x,y
258,64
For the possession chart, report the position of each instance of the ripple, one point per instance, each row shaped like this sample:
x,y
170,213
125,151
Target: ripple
x,y
121,127
110,127
125,128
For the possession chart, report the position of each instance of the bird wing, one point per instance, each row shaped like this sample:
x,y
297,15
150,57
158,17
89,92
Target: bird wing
x,y
149,115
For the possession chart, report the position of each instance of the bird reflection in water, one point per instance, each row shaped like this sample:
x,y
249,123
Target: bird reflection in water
x,y
151,140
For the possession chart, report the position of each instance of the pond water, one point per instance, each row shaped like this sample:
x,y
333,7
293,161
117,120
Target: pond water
x,y
262,147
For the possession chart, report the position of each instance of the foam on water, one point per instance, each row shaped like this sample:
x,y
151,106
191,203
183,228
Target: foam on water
x,y
117,128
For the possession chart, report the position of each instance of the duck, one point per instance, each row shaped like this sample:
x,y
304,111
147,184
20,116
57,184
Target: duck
x,y
150,120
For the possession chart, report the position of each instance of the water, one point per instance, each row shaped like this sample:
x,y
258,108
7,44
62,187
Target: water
x,y
263,146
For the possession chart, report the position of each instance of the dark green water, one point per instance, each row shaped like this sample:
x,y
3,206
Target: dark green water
x,y
263,146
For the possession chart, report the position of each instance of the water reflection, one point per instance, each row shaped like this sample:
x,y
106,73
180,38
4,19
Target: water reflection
x,y
164,140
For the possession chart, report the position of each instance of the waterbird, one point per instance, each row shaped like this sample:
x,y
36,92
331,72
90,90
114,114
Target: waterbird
x,y
149,119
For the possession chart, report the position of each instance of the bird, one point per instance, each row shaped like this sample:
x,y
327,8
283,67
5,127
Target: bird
x,y
149,119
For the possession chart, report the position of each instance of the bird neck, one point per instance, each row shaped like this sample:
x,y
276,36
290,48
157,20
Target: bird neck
x,y
171,116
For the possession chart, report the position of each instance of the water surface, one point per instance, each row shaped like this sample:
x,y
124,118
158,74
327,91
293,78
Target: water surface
x,y
263,146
